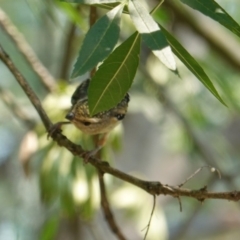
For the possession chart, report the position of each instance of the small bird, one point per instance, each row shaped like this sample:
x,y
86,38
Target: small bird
x,y
99,124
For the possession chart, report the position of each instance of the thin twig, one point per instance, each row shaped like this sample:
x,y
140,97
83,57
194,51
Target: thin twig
x,y
106,208
180,203
22,45
157,7
150,219
199,170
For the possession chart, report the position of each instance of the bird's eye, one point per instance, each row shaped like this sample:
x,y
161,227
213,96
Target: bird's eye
x,y
120,116
86,123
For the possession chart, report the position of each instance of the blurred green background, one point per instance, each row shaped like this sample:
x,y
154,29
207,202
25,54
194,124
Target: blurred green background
x,y
174,126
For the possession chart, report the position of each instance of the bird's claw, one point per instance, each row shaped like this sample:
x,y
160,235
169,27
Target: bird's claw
x,y
89,154
54,128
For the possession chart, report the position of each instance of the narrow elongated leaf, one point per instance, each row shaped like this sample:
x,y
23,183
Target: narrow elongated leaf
x,y
151,33
99,41
115,76
90,2
191,64
213,10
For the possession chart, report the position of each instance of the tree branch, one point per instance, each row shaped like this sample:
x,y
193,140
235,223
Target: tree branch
x,y
151,187
26,88
106,208
22,45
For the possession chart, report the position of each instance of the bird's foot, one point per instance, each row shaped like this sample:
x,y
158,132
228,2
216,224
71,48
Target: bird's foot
x,y
89,154
55,128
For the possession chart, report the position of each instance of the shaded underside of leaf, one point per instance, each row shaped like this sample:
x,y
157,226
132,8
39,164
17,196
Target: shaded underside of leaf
x,y
191,64
99,41
115,76
213,10
151,33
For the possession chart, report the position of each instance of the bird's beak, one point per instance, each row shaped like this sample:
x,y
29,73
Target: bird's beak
x,y
70,116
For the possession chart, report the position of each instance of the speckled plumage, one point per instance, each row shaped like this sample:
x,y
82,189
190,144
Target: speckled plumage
x,y
102,122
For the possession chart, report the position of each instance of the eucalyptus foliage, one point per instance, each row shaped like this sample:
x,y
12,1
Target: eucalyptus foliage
x,y
116,72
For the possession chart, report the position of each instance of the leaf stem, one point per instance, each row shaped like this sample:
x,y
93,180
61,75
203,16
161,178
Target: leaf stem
x,y
156,8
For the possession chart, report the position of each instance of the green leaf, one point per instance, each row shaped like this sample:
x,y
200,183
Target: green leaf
x,y
50,228
99,41
191,64
115,76
90,2
213,10
151,33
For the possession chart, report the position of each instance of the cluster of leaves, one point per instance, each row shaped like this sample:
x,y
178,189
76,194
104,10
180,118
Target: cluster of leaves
x,y
115,75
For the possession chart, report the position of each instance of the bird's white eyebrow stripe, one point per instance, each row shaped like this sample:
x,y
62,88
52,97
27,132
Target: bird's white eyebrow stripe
x,y
93,120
